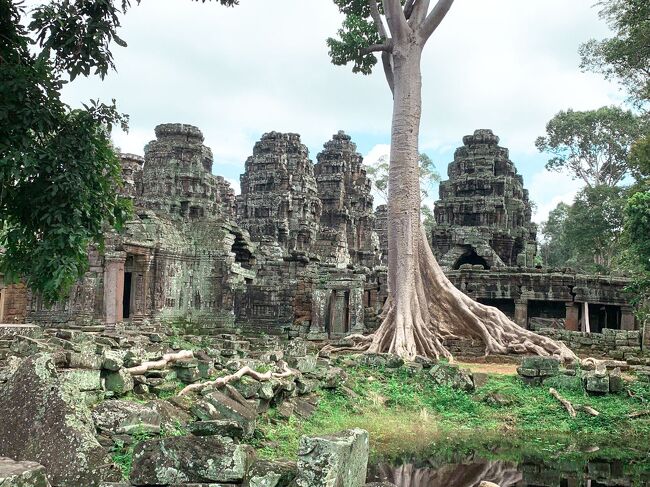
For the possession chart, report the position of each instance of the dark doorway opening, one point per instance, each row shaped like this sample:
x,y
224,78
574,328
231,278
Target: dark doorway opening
x,y
126,297
471,257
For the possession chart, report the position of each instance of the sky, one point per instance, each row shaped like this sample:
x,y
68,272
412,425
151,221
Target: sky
x,y
237,73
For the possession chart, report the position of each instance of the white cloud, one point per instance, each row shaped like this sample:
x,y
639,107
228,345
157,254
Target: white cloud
x,y
548,189
237,73
235,185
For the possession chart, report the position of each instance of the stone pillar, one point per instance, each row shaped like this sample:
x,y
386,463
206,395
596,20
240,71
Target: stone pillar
x,y
572,320
585,318
521,312
319,304
113,288
356,310
628,321
645,343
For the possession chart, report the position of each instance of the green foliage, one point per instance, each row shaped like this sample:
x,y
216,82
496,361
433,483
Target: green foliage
x,y
122,453
378,174
626,56
406,414
555,248
587,235
593,145
356,34
58,169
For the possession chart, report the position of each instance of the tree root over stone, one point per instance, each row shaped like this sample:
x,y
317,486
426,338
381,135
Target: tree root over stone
x,y
430,309
284,372
162,363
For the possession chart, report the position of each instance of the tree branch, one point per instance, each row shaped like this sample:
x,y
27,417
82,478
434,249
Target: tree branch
x,y
376,18
377,48
395,18
419,13
386,59
408,8
434,18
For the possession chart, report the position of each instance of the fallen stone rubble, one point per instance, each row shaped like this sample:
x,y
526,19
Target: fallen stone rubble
x,y
72,404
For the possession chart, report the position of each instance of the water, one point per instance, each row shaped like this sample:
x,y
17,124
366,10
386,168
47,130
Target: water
x,y
470,471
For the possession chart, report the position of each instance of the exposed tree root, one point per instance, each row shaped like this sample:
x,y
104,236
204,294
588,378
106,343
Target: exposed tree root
x,y
285,372
588,410
638,414
567,405
162,363
571,409
430,309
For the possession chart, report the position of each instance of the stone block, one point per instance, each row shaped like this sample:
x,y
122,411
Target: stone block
x,y
116,417
547,363
337,460
266,473
81,379
217,427
119,382
304,364
616,382
596,384
113,360
450,375
44,421
22,474
190,459
227,408
527,372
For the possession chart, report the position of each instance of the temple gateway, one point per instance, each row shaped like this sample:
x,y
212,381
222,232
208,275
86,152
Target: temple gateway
x,y
302,250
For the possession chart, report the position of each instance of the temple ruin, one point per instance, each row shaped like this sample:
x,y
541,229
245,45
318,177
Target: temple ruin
x,y
486,243
302,251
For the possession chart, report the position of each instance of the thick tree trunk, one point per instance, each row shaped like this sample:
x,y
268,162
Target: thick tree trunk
x,y
423,307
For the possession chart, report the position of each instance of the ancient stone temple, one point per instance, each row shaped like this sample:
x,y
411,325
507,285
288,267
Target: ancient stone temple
x,y
303,283
483,216
279,201
181,256
345,191
485,241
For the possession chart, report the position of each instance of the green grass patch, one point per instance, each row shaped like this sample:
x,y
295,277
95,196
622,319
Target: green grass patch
x,y
406,414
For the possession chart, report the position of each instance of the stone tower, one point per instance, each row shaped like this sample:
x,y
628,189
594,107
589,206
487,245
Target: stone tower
x,y
131,174
279,199
345,191
483,216
177,179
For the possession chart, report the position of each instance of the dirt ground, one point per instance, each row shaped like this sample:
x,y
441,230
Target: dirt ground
x,y
489,368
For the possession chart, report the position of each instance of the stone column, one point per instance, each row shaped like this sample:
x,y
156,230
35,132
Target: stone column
x,y
628,321
572,320
521,312
645,344
585,318
113,288
356,310
319,304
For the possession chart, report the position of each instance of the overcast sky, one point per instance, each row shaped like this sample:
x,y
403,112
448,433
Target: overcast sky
x,y
508,65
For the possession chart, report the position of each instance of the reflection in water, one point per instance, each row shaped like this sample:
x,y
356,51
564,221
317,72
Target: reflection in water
x,y
471,471
504,474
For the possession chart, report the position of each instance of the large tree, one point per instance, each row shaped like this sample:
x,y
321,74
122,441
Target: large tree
x,y
592,145
626,56
423,307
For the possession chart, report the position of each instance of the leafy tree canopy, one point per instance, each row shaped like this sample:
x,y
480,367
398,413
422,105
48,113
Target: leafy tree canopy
x,y
594,145
587,234
58,169
626,56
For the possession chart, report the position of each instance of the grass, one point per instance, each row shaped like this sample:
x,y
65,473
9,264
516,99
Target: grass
x,y
406,415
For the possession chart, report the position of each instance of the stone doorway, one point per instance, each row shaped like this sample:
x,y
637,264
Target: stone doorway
x,y
126,296
338,313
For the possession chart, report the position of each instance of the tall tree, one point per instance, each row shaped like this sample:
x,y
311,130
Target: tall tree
x,y
593,145
626,56
423,307
554,249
